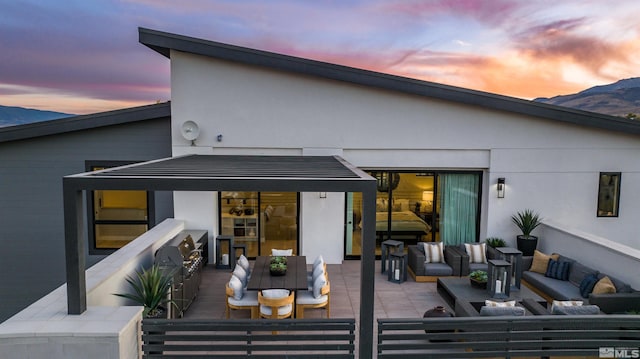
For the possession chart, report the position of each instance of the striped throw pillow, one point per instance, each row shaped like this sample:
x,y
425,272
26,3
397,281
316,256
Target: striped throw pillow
x,y
558,269
433,252
476,252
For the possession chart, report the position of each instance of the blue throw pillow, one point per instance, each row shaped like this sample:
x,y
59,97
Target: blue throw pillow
x,y
587,284
558,269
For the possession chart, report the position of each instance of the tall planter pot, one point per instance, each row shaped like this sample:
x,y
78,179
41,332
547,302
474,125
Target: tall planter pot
x,y
527,244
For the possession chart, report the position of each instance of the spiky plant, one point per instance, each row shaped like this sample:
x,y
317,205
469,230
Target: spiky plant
x,y
496,242
527,221
150,287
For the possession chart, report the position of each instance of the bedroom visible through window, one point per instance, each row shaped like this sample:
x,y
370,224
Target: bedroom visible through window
x,y
609,194
418,206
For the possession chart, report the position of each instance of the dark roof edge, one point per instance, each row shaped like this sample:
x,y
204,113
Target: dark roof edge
x,y
163,42
84,122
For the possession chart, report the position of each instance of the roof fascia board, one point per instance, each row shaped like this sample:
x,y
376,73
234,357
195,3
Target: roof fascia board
x,y
84,122
164,42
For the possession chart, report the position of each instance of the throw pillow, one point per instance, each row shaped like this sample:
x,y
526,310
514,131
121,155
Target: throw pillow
x,y
239,272
433,252
486,311
587,284
317,286
477,252
541,261
236,285
492,303
577,310
604,285
565,303
244,263
275,293
557,269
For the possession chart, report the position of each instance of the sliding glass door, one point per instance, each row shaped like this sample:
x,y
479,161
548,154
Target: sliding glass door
x,y
416,207
260,220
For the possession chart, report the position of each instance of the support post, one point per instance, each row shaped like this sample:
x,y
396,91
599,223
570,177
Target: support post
x,y
367,269
74,249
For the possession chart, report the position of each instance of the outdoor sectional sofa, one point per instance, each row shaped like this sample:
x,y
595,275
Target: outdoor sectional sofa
x,y
429,272
567,285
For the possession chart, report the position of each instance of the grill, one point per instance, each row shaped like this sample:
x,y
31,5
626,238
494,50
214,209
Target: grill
x,y
180,257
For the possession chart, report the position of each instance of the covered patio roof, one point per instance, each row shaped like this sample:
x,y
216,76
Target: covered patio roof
x,y
224,173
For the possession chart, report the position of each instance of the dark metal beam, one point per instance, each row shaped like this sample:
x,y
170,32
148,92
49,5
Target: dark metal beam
x,y
74,249
367,268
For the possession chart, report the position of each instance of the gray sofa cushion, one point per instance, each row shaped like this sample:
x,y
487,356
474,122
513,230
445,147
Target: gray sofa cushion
x,y
578,271
486,311
437,269
478,266
557,289
576,310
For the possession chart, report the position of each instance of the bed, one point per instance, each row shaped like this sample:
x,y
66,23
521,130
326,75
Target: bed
x,y
404,225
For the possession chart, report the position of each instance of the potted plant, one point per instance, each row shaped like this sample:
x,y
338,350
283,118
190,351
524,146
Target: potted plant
x,y
278,265
150,290
492,244
527,221
478,279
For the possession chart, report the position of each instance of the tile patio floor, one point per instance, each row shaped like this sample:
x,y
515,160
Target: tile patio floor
x,y
406,300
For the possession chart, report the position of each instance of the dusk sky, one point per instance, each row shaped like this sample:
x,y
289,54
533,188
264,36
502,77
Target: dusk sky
x,y
81,56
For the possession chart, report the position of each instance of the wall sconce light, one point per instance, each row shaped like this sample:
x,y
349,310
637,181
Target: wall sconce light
x,y
427,196
501,187
323,194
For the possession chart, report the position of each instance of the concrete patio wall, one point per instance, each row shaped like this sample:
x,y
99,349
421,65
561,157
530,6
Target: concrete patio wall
x,y
599,253
108,329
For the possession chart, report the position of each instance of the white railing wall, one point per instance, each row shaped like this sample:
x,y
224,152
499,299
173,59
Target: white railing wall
x,y
604,255
108,329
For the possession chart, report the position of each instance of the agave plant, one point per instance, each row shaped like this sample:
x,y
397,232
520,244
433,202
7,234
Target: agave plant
x,y
527,221
150,287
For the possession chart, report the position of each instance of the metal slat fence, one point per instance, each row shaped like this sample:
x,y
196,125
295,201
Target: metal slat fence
x,y
266,338
507,337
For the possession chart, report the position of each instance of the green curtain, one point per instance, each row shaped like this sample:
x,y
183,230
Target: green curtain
x,y
458,208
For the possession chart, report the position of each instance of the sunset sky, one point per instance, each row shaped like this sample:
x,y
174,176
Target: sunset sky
x,y
81,56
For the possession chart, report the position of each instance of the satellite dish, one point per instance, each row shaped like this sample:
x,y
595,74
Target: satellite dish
x,y
190,131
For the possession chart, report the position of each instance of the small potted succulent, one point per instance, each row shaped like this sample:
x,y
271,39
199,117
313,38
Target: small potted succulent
x,y
492,244
278,265
478,279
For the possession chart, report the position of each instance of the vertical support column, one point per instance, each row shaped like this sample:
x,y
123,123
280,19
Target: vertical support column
x,y
74,249
367,269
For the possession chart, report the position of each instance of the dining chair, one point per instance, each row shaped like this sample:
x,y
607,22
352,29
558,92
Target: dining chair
x,y
276,303
281,252
240,299
318,297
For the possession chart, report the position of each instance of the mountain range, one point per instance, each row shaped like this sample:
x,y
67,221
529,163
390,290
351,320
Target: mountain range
x,y
617,99
11,116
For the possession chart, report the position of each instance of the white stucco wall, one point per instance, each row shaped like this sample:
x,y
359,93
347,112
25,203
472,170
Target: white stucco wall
x,y
549,166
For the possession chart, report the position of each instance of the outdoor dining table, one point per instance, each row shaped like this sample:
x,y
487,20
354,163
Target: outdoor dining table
x,y
294,279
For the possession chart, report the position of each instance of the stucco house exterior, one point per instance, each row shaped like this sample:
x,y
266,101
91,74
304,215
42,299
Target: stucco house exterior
x,y
552,159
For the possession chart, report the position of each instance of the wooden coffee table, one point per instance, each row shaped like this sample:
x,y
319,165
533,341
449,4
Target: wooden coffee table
x,y
453,289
